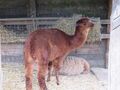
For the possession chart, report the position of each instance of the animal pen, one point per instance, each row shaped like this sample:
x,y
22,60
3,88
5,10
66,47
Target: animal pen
x,y
14,32
18,18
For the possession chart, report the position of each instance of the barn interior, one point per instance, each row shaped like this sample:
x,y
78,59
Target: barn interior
x,y
20,17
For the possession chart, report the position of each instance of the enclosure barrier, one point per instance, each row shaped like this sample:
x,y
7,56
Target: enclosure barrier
x,y
15,30
20,27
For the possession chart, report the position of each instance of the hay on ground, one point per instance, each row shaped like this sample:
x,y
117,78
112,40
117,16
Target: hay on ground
x,y
14,79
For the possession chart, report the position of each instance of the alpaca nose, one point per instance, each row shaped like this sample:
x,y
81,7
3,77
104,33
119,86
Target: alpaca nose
x,y
92,25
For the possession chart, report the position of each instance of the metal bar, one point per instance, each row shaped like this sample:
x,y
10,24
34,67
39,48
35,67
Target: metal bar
x,y
44,20
105,36
106,21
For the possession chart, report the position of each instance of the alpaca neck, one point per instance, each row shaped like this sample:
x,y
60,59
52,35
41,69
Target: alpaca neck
x,y
79,38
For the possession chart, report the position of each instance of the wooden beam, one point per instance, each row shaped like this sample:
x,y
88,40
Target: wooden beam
x,y
105,36
109,8
36,18
105,21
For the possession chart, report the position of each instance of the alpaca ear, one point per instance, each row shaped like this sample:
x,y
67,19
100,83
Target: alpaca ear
x,y
77,25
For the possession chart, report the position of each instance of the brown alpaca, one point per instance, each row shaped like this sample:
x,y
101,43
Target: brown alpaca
x,y
48,47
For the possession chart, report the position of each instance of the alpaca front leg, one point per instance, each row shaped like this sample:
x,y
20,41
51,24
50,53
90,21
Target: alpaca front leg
x,y
57,66
57,76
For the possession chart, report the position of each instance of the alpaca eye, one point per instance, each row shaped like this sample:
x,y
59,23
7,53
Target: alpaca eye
x,y
84,23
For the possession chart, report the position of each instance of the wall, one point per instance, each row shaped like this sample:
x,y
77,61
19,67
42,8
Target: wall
x,y
44,8
92,8
0,66
13,8
114,53
92,53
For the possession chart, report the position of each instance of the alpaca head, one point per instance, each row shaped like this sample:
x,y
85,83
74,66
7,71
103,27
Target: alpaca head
x,y
84,23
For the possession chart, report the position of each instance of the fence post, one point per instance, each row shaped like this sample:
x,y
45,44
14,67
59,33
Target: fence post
x,y
34,23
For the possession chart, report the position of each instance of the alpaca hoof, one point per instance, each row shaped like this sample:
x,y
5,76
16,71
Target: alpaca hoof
x,y
48,80
58,83
85,72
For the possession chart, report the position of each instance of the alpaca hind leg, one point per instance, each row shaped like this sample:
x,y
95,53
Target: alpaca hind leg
x,y
28,75
49,71
57,66
42,69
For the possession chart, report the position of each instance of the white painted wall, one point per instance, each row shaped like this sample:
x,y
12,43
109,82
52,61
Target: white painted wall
x,y
114,52
0,68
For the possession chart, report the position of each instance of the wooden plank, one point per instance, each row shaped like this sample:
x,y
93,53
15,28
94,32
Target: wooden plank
x,y
88,51
38,18
45,18
28,22
17,23
106,21
105,36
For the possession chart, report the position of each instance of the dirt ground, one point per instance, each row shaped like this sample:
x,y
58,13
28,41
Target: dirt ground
x,y
14,80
